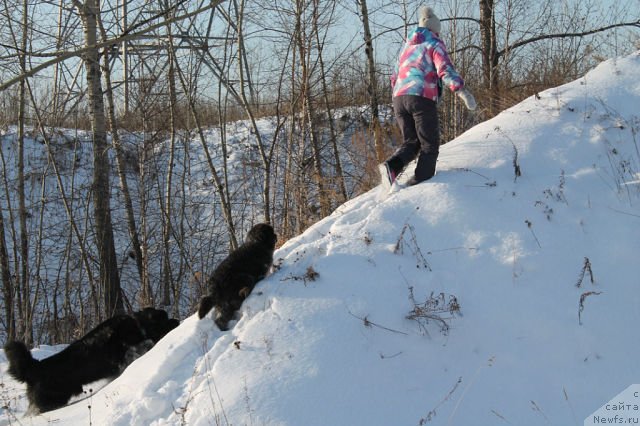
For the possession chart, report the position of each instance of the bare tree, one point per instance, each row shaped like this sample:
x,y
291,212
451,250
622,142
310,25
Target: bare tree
x,y
185,194
224,200
266,155
489,45
304,41
320,41
167,208
551,22
109,276
67,205
146,296
372,81
24,294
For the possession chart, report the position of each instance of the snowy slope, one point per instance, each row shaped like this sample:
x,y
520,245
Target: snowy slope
x,y
325,340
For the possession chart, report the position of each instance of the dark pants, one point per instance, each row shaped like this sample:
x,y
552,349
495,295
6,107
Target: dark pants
x,y
418,121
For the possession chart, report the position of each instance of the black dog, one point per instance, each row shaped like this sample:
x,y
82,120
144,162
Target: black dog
x,y
102,353
235,276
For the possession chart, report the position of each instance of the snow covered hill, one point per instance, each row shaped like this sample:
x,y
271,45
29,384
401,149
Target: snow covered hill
x,y
503,291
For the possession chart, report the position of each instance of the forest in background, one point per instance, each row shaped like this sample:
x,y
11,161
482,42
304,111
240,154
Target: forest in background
x,y
140,140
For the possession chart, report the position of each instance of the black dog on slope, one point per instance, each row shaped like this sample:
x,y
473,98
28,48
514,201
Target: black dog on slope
x,y
235,277
102,353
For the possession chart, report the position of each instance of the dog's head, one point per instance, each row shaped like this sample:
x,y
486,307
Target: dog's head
x,y
262,233
155,323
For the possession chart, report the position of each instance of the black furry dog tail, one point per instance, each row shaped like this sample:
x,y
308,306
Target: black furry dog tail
x,y
21,363
206,304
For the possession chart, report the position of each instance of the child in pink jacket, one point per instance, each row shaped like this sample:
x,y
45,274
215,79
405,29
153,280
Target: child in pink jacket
x,y
422,65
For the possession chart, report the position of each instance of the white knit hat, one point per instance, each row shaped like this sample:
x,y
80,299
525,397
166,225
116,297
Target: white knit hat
x,y
428,19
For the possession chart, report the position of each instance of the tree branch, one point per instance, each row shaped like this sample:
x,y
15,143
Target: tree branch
x,y
62,56
565,35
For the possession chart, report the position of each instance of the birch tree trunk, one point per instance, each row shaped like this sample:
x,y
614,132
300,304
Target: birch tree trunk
x,y
109,278
24,294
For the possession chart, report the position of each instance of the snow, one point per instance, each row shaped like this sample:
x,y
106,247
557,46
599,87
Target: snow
x,y
325,339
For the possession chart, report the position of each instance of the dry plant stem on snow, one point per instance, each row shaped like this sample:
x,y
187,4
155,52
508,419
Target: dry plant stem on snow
x,y
586,268
537,408
413,246
573,412
309,275
557,194
439,309
548,211
369,323
89,405
530,226
516,164
583,296
431,414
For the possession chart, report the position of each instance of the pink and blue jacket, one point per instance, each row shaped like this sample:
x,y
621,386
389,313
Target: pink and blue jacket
x,y
422,61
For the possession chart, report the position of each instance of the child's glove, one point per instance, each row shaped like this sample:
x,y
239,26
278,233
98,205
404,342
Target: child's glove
x,y
467,98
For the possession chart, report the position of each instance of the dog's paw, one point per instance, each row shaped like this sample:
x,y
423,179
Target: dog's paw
x,y
206,304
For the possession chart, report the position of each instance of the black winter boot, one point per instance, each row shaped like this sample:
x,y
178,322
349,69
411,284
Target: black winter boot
x,y
389,171
426,166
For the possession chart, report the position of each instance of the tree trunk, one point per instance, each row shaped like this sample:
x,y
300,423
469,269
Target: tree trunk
x,y
109,279
340,182
167,273
68,207
245,81
7,284
309,111
490,56
146,296
372,82
24,292
124,186
220,187
288,199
